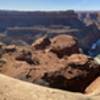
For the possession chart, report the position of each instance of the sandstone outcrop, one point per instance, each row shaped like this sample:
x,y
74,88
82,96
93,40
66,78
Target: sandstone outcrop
x,y
64,45
10,48
25,56
78,73
66,68
41,43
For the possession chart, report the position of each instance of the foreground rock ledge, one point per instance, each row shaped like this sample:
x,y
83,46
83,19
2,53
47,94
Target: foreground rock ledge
x,y
13,89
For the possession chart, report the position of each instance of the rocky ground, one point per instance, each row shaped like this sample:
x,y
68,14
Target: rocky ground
x,y
12,89
57,63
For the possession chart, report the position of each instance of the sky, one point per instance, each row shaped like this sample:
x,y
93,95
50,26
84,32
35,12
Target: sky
x,y
50,5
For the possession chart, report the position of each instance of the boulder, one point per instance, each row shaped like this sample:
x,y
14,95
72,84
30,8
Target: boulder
x,y
64,45
1,44
25,56
10,48
41,43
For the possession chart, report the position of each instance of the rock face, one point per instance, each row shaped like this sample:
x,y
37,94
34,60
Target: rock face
x,y
90,37
10,48
66,68
41,43
64,45
25,56
37,18
77,74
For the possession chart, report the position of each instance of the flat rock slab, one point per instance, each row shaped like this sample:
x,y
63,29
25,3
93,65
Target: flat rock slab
x,y
13,89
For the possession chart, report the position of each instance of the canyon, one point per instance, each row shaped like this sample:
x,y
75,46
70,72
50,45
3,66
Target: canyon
x,y
56,51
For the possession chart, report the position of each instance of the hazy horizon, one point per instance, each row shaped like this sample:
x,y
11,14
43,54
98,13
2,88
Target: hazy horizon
x,y
50,5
